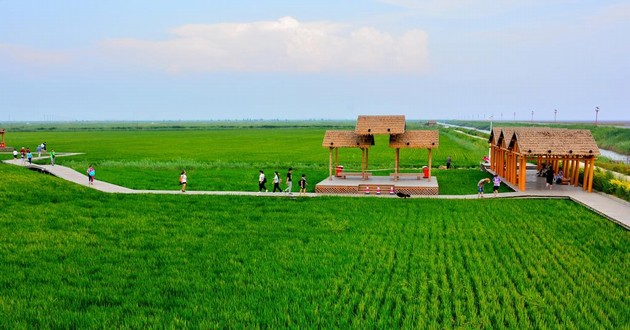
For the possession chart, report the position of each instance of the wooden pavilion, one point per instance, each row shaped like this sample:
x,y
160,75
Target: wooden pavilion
x,y
347,139
2,131
512,147
363,138
428,139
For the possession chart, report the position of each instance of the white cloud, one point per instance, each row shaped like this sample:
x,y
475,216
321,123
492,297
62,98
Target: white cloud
x,y
285,45
33,57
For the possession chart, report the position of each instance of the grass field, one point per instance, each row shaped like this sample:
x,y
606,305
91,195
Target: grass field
x,y
218,158
72,257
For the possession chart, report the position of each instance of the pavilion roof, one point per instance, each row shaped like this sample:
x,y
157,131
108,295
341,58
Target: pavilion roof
x,y
415,139
494,135
370,125
554,142
346,139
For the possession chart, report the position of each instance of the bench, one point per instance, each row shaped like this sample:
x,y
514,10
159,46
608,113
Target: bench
x,y
417,175
345,174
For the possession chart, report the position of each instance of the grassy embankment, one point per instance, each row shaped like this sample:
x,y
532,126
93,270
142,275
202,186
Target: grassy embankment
x,y
76,258
217,158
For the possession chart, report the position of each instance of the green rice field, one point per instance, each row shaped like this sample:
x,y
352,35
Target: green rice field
x,y
225,159
72,257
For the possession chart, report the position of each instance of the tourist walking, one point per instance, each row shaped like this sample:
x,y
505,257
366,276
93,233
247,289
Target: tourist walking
x,y
289,181
91,174
480,185
448,163
29,156
303,184
276,182
15,153
497,183
52,157
183,180
261,182
39,150
23,155
549,177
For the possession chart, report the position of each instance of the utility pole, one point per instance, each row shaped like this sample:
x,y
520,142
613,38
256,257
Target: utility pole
x,y
596,113
555,112
532,116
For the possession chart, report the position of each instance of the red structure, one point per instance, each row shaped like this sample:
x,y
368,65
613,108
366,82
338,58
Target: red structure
x,y
2,131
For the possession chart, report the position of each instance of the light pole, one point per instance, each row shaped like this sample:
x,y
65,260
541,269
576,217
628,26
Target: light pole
x,y
555,112
596,112
514,115
532,116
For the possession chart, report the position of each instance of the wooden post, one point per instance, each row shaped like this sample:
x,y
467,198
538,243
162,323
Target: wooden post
x,y
512,168
522,176
587,163
397,164
367,152
330,167
430,162
591,175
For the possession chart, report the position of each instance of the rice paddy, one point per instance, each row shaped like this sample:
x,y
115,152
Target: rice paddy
x,y
72,257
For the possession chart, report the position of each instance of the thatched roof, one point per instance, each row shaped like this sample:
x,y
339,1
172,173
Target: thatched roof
x,y
554,142
346,139
415,139
370,125
504,138
494,135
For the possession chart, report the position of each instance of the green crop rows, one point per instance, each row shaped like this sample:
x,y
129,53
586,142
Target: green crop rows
x,y
229,159
72,257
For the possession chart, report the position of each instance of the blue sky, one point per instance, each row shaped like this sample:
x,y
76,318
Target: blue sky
x,y
215,60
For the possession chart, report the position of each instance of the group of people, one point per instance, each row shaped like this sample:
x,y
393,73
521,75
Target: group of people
x,y
27,155
262,180
496,180
551,176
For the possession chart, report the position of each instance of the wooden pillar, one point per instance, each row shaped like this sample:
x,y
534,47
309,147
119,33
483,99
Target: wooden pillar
x,y
493,158
591,175
513,168
538,164
336,157
397,165
503,167
522,176
367,152
330,167
587,163
430,162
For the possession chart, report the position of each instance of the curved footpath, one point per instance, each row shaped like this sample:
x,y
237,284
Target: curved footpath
x,y
608,206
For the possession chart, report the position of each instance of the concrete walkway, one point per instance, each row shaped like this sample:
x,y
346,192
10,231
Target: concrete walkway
x,y
615,209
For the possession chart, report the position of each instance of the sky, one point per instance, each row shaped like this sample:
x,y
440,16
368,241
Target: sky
x,y
154,60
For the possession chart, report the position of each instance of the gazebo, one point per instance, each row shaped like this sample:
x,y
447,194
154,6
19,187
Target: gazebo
x,y
2,131
363,138
428,139
347,139
558,147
